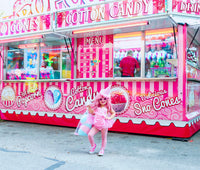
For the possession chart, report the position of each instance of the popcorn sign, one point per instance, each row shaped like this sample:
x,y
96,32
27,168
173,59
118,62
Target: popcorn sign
x,y
8,96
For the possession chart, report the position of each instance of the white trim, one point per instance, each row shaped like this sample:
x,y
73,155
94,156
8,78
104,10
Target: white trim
x,y
126,79
27,34
38,80
121,119
149,18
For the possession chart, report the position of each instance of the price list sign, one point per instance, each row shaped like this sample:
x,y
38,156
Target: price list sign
x,y
95,57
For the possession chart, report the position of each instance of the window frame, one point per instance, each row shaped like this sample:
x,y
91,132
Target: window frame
x,y
39,53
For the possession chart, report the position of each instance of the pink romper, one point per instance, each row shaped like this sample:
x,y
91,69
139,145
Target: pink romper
x,y
100,121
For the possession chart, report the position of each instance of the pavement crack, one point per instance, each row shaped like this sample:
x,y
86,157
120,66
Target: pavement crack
x,y
57,165
6,150
52,159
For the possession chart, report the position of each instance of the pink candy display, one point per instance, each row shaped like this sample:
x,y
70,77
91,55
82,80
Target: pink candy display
x,y
118,101
118,98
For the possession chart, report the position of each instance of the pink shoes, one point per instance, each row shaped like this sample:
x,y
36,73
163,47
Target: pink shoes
x,y
91,151
101,152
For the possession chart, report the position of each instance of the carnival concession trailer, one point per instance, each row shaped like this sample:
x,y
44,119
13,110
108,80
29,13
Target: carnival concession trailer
x,y
52,63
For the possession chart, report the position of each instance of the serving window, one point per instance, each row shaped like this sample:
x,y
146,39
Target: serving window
x,y
193,69
127,44
193,47
149,54
38,59
21,63
158,51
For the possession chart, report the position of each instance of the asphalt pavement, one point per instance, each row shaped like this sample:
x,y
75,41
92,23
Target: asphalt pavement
x,y
26,146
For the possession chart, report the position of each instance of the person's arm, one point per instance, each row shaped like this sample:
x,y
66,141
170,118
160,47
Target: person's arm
x,y
137,66
112,114
91,111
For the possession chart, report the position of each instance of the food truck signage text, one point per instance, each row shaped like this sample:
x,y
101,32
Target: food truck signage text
x,y
190,7
66,4
157,105
152,104
94,40
108,12
153,101
22,8
95,57
73,102
27,25
26,97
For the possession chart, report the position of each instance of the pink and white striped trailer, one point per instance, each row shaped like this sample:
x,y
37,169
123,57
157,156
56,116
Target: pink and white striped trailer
x,y
52,64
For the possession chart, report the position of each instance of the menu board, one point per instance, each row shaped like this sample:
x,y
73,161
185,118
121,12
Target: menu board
x,y
95,57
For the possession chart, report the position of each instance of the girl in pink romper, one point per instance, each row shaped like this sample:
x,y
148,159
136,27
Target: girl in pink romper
x,y
103,119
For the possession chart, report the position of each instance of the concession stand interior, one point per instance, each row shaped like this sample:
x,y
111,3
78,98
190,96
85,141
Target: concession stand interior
x,y
51,64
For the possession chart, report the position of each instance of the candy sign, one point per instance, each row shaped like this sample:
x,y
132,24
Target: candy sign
x,y
65,4
108,12
73,102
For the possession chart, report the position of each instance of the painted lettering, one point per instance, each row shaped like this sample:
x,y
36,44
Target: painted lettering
x,y
4,28
31,7
26,97
72,103
146,4
79,89
94,40
151,95
20,26
138,110
190,7
114,11
160,104
94,14
141,109
122,10
75,18
128,8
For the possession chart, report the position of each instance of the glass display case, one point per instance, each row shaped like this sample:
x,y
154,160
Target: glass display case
x,y
23,57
